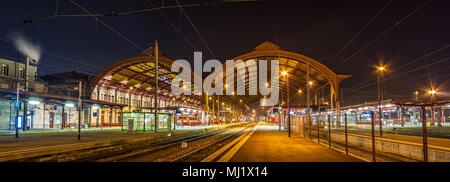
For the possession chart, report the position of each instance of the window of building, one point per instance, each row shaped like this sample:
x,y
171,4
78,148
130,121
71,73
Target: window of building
x,y
21,73
5,70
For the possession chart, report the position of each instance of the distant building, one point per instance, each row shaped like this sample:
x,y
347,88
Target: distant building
x,y
10,73
121,92
66,83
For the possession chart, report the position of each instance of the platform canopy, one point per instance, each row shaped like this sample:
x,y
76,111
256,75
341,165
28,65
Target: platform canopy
x,y
137,75
296,66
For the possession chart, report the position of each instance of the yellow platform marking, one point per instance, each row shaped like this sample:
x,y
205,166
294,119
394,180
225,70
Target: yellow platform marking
x,y
230,154
223,149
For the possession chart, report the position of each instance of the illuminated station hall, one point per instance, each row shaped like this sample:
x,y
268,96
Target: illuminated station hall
x,y
120,96
136,95
123,96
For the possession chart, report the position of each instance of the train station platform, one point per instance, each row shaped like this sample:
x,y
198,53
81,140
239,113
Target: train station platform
x,y
268,144
50,142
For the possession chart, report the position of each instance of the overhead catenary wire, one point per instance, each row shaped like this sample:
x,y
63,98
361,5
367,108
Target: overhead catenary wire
x,y
390,86
397,84
404,65
360,31
176,29
61,57
196,30
413,70
381,35
348,90
108,26
46,65
117,13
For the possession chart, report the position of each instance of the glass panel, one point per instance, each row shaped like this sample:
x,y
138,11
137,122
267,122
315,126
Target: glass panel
x,y
145,119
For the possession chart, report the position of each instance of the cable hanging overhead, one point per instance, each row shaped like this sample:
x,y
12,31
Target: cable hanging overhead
x,y
382,34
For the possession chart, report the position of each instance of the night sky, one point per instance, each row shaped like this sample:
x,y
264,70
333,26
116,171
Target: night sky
x,y
318,29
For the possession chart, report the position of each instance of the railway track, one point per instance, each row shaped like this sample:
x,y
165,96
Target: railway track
x,y
105,151
201,153
170,148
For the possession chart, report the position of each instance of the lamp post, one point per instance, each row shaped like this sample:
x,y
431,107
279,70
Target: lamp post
x,y
284,73
416,94
80,108
379,71
308,115
433,93
156,54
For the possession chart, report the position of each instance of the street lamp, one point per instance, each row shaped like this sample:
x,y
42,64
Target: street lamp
x,y
308,110
433,93
300,91
416,94
285,73
380,70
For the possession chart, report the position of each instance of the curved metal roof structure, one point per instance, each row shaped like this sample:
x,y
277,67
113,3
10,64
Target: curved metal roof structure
x,y
136,75
295,65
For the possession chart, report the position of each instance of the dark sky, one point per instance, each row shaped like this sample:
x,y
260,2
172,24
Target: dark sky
x,y
318,29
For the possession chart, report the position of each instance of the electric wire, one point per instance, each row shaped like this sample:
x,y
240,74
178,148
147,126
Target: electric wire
x,y
381,35
60,57
196,30
360,31
402,66
108,26
176,29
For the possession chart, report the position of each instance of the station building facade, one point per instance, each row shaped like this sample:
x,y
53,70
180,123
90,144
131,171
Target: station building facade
x,y
12,75
121,92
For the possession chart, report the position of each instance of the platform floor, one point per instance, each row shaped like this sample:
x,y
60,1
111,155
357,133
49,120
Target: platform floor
x,y
267,144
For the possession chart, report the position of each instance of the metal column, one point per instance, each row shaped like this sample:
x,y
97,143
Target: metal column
x,y
373,136
424,135
156,85
346,134
80,108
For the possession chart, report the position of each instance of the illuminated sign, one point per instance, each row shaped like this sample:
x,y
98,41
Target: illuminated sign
x,y
19,120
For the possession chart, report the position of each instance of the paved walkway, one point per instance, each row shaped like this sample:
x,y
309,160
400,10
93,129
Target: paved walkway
x,y
267,144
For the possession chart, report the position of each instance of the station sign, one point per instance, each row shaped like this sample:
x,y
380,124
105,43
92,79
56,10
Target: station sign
x,y
19,121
